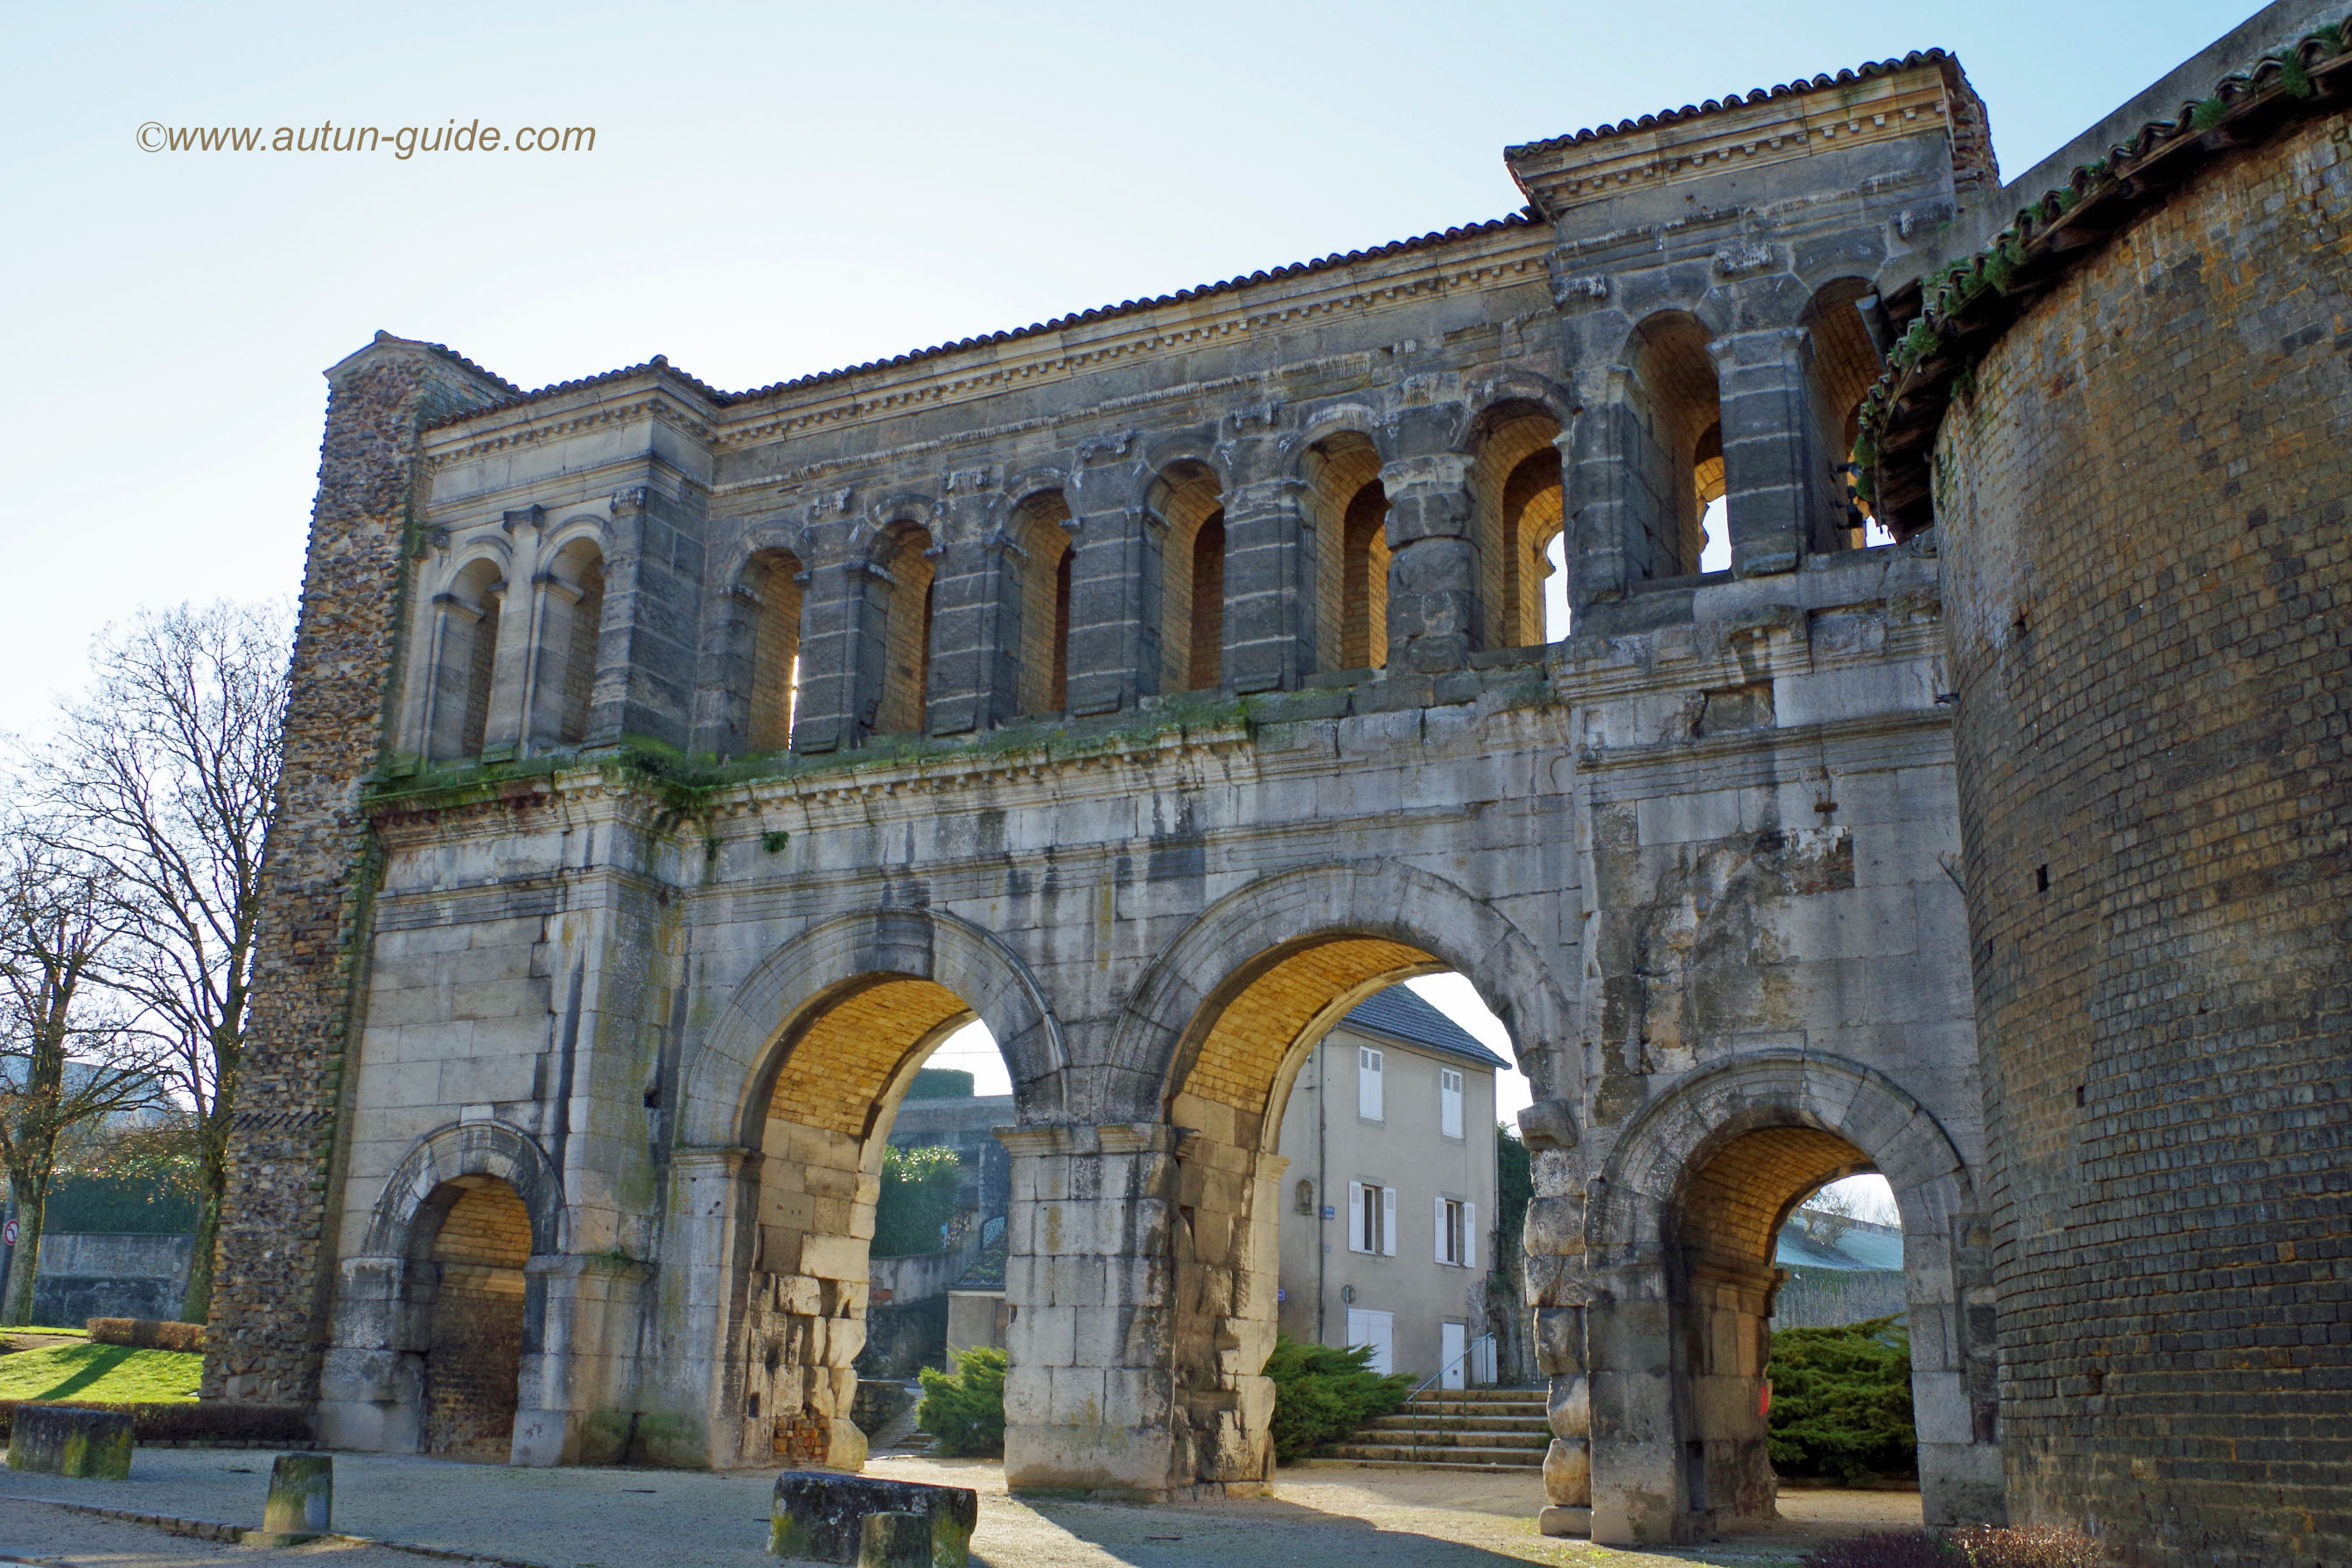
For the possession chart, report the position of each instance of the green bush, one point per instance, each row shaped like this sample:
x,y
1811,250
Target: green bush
x,y
1841,1402
1322,1393
963,1410
917,1199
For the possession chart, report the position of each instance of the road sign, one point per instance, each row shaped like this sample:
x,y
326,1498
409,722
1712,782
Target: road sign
x,y
8,1234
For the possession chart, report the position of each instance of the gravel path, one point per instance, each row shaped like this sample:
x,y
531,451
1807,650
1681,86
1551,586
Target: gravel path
x,y
1325,1515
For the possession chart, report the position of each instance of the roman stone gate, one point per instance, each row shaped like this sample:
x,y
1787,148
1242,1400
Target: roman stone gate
x,y
670,770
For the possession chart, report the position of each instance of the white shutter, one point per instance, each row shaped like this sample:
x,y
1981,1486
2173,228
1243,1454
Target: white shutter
x,y
1356,1217
1449,1102
1368,1099
1441,1232
1387,1221
1469,1236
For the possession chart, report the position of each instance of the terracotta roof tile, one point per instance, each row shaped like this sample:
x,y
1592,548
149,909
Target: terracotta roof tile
x,y
1911,61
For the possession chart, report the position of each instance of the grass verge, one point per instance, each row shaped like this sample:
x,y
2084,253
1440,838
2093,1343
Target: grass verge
x,y
114,1373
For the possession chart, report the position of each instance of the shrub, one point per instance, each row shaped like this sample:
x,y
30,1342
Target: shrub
x,y
1886,1549
963,1410
148,1334
917,1199
1322,1393
2034,1546
1841,1402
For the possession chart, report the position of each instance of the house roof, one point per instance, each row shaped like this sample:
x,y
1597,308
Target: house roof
x,y
1865,1246
1403,1016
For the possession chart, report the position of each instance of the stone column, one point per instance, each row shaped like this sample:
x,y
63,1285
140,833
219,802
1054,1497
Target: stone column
x,y
1091,1402
1606,545
578,1366
370,1385
975,624
841,656
1269,557
274,1257
505,729
1769,461
1638,1486
1433,612
1114,581
694,1379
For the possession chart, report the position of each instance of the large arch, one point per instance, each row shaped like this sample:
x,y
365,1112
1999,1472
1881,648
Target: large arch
x,y
783,1124
1217,1032
1667,1352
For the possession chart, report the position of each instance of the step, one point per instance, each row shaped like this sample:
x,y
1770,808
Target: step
x,y
1481,1395
1415,1419
1444,1458
1535,1407
1446,1438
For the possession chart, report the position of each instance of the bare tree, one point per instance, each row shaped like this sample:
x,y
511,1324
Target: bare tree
x,y
167,772
68,1056
1826,1216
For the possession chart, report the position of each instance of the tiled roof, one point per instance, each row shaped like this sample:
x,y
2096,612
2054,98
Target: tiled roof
x,y
987,1270
1911,61
1968,304
1400,1015
1524,218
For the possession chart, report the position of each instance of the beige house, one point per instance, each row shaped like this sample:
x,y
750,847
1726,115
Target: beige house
x,y
1388,1234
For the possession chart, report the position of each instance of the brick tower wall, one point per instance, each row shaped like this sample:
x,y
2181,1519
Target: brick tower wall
x,y
2148,591
269,1300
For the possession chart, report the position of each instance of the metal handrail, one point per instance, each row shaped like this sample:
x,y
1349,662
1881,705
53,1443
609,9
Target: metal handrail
x,y
1467,1352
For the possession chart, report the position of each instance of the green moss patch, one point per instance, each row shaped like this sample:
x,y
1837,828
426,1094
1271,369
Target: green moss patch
x,y
111,1374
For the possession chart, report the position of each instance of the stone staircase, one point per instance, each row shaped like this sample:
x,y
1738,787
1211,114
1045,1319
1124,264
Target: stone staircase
x,y
1456,1429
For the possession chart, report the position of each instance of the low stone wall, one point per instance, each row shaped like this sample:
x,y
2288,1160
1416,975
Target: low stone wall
x,y
1832,1297
87,1275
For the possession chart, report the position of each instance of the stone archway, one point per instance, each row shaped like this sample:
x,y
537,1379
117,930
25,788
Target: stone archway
x,y
442,1317
784,1121
1223,1021
1665,1350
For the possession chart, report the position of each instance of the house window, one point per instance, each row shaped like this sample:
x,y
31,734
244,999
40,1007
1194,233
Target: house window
x,y
1372,1219
1457,1233
1449,1102
1368,1101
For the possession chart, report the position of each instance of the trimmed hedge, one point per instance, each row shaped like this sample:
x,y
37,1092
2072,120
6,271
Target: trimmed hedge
x,y
147,1334
965,1410
1841,1402
1323,1393
201,1422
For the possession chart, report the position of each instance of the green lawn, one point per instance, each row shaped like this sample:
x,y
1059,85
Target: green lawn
x,y
108,1373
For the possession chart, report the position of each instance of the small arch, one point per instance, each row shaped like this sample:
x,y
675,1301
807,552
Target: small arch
x,y
1841,362
466,1149
464,661
572,619
1516,498
770,583
1189,501
1040,529
1675,442
903,555
1350,507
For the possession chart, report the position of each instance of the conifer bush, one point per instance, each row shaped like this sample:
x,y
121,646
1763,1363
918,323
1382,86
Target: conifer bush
x,y
963,1410
1322,1393
1841,1402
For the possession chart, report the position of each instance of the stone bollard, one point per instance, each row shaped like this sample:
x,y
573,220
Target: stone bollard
x,y
66,1440
301,1505
823,1513
895,1541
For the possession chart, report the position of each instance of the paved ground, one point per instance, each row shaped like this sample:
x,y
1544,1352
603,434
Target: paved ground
x,y
1321,1517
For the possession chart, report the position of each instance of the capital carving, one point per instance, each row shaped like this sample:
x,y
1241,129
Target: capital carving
x,y
1734,261
1097,449
520,518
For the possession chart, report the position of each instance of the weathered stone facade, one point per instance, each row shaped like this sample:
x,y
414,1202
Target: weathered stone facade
x,y
675,768
2148,588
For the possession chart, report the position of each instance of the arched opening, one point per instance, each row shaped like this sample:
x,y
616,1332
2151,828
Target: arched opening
x,y
841,1072
1041,529
770,582
571,616
1841,363
1188,501
905,558
1675,464
473,1301
465,668
1403,1165
1722,1232
1515,494
1350,510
